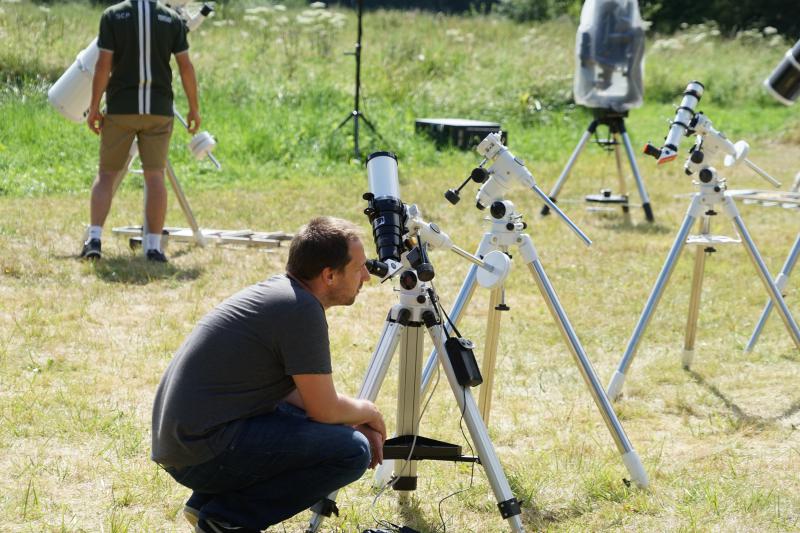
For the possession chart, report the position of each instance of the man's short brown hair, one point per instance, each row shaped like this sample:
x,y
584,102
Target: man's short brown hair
x,y
322,243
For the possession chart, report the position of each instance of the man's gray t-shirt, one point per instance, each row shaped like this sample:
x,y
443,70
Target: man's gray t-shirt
x,y
236,364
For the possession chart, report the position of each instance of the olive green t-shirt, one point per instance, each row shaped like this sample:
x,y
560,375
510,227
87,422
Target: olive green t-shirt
x,y
142,34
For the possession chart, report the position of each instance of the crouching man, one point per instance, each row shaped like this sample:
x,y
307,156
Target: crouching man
x,y
247,414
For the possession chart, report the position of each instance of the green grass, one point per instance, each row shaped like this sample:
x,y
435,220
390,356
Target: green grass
x,y
82,347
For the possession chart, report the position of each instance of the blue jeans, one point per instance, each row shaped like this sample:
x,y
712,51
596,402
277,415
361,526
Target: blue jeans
x,y
278,465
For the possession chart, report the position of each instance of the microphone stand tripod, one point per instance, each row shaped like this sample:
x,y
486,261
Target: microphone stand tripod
x,y
356,114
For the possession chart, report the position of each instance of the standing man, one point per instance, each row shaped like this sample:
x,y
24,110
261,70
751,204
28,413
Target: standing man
x,y
247,414
136,40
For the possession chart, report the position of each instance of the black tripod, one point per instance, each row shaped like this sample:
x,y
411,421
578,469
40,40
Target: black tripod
x,y
356,113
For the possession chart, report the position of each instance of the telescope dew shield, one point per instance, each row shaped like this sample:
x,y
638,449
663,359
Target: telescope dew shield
x,y
784,82
385,210
681,124
71,93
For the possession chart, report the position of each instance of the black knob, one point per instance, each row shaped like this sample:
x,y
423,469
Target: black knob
x,y
452,196
498,210
706,175
408,280
480,206
697,157
479,175
425,272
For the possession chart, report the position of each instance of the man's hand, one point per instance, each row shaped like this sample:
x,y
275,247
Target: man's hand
x,y
193,121
376,441
95,120
375,420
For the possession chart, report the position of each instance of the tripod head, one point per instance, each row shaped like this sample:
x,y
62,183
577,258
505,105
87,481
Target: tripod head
x,y
402,237
506,170
709,142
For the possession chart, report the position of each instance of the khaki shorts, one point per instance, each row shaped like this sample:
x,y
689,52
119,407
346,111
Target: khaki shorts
x,y
151,131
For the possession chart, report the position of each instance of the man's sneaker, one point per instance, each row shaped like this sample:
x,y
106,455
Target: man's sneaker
x,y
91,250
191,515
209,525
157,256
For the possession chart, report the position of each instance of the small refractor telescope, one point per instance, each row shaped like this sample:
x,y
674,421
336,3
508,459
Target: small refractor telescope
x,y
784,82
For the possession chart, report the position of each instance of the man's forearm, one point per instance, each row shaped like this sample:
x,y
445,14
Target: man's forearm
x,y
189,81
347,410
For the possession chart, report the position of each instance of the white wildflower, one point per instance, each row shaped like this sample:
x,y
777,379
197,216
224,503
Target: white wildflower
x,y
421,57
338,20
667,44
279,7
258,10
698,38
44,8
775,41
317,5
769,30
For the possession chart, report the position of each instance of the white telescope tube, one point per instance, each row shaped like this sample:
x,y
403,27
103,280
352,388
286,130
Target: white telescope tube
x,y
71,93
684,115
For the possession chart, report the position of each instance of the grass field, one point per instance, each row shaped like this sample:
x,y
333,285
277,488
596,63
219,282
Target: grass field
x,y
82,346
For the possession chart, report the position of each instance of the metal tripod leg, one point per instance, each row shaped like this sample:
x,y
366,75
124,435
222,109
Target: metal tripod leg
x,y
617,380
761,268
507,503
629,456
490,351
648,211
780,282
623,190
376,373
570,163
462,300
184,203
408,403
694,300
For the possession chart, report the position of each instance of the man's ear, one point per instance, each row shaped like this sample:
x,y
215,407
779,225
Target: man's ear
x,y
327,276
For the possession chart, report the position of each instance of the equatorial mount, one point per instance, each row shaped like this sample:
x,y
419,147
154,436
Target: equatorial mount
x,y
506,170
710,143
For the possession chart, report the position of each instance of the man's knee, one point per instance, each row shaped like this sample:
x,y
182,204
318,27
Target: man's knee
x,y
153,177
107,176
359,455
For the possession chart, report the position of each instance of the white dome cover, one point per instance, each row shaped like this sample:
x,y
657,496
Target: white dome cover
x,y
609,55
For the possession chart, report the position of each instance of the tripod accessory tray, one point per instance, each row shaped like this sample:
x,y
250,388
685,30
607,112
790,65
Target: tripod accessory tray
x,y
606,197
424,448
